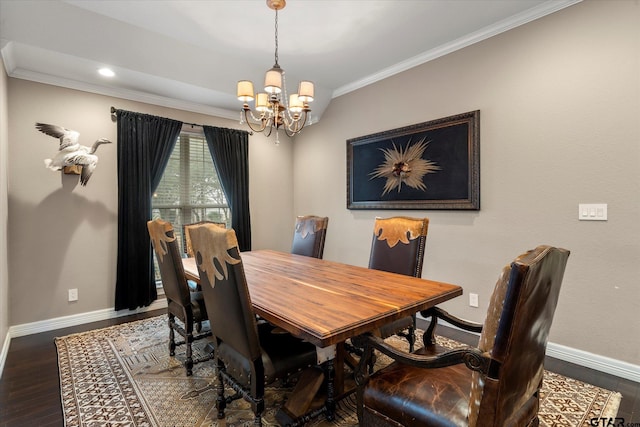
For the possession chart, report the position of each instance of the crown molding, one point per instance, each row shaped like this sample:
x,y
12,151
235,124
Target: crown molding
x,y
131,95
544,9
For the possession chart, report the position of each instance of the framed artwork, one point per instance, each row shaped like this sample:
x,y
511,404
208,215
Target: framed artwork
x,y
431,165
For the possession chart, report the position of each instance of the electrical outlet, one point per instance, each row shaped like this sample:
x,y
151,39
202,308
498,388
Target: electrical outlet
x,y
73,295
473,300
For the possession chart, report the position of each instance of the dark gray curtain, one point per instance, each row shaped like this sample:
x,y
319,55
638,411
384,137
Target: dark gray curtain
x,y
230,151
145,144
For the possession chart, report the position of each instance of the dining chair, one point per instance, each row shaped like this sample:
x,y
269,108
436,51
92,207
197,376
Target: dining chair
x,y
248,356
309,235
186,237
187,306
398,247
496,383
188,250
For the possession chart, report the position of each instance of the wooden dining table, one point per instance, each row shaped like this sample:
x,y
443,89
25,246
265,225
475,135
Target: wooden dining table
x,y
326,302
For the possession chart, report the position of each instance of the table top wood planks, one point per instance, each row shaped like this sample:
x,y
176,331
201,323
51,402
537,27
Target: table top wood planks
x,y
326,302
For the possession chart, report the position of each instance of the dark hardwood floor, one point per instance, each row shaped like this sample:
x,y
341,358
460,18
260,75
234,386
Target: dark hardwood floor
x,y
30,387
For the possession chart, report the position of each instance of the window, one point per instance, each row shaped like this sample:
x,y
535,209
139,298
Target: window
x,y
190,190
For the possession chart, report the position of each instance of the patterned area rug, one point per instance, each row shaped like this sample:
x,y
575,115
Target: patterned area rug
x,y
123,376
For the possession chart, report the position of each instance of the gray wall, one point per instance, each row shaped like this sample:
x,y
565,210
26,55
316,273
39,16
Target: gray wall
x,y
560,102
64,236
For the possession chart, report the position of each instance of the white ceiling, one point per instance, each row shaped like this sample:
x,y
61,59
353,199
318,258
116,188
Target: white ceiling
x,y
190,54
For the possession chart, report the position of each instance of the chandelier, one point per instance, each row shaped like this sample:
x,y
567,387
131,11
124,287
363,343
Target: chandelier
x,y
273,109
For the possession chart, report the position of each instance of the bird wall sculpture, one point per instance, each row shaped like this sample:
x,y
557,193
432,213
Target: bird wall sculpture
x,y
70,152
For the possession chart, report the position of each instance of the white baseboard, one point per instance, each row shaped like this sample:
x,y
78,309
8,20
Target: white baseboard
x,y
67,321
605,364
78,319
4,352
583,358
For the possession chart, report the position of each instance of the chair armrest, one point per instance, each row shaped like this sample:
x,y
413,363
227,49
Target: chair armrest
x,y
473,358
435,313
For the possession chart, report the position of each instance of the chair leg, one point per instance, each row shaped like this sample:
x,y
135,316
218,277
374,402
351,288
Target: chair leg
x,y
221,402
411,334
172,336
372,363
411,337
258,409
188,363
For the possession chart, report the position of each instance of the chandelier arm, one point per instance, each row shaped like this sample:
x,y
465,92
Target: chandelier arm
x,y
302,121
262,118
288,125
289,132
295,126
291,118
259,129
268,134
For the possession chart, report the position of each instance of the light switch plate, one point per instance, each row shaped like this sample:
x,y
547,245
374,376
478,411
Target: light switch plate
x,y
473,300
592,211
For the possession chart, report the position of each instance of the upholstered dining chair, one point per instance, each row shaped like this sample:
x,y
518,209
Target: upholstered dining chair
x,y
248,356
188,250
309,235
187,306
398,247
186,237
497,383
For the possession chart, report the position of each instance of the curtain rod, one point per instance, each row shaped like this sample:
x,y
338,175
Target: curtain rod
x,y
114,118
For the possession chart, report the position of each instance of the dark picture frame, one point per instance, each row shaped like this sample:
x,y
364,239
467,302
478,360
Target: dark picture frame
x,y
430,165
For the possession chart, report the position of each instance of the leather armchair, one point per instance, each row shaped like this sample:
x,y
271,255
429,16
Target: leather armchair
x,y
309,235
494,384
398,247
248,356
187,306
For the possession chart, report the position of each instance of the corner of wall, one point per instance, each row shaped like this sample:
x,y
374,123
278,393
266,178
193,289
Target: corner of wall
x,y
4,201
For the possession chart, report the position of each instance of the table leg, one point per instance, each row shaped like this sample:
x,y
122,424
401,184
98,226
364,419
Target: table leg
x,y
302,396
338,365
331,402
296,410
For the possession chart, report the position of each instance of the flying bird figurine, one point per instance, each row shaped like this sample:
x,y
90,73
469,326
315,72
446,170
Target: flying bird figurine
x,y
70,152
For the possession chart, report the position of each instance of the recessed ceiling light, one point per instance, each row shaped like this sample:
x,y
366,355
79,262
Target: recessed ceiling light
x,y
107,72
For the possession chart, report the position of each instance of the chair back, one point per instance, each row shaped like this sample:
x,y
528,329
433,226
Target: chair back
x,y
309,235
186,237
225,290
169,260
515,335
398,245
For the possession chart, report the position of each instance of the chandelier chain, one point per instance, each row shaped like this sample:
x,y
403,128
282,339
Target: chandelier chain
x,y
276,32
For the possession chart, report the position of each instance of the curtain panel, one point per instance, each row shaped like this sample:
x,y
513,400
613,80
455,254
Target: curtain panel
x,y
145,144
230,151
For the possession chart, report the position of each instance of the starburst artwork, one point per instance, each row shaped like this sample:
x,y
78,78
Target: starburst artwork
x,y
405,166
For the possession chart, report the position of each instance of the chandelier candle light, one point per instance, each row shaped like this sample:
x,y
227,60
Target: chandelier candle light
x,y
271,105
